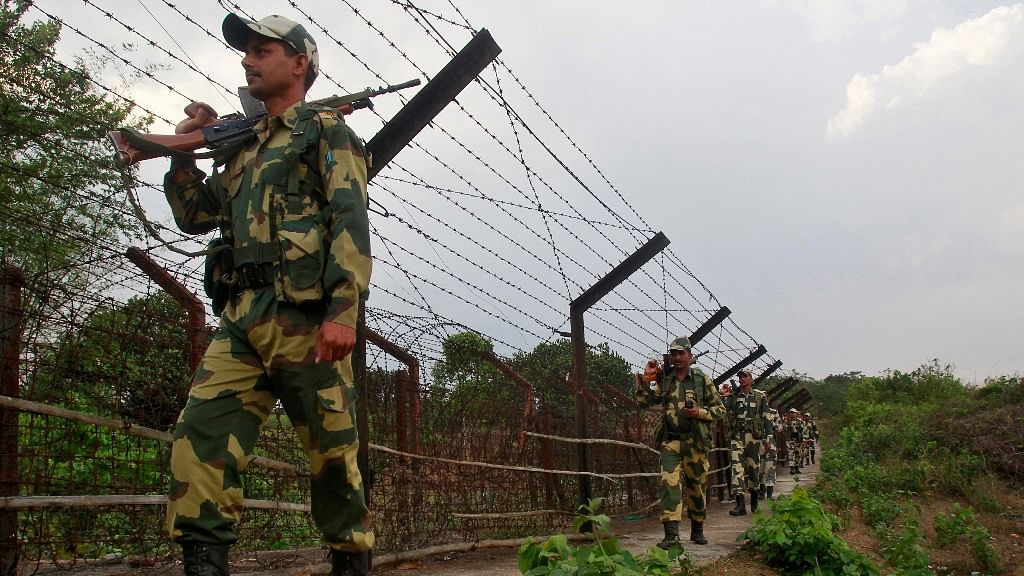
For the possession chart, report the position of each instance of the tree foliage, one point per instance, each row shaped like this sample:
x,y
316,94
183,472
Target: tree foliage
x,y
58,185
132,358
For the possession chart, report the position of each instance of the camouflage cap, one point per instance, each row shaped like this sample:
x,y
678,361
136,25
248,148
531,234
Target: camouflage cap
x,y
680,343
745,372
237,30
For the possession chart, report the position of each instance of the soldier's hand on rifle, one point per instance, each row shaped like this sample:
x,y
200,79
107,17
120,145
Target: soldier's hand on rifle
x,y
334,342
200,115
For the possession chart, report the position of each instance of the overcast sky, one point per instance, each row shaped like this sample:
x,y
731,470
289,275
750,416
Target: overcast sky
x,y
845,176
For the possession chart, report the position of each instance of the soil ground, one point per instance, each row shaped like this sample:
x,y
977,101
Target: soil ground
x,y
721,530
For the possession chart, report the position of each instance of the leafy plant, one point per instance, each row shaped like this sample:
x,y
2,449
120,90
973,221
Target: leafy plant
x,y
557,557
798,537
962,522
903,551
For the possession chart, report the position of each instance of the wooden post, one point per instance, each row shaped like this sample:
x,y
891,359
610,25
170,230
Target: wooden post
x,y
11,322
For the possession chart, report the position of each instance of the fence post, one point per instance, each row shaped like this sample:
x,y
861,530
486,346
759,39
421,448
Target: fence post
x,y
11,322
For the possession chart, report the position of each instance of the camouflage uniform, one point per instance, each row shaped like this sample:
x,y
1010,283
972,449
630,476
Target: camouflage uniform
x,y
794,442
747,417
293,203
812,435
684,442
770,453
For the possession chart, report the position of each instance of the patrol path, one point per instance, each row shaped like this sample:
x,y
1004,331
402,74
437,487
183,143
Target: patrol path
x,y
721,530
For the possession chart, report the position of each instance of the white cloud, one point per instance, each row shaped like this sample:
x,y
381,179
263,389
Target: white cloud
x,y
976,42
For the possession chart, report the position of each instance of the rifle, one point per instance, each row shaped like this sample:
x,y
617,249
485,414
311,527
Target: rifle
x,y
232,130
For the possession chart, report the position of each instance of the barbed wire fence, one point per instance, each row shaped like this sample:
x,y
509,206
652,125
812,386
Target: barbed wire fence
x,y
491,222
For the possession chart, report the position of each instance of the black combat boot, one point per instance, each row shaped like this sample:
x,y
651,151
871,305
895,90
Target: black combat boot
x,y
760,492
769,493
741,506
671,535
796,470
205,559
697,532
812,457
753,501
345,563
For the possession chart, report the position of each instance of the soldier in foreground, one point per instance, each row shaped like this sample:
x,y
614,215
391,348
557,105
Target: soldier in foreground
x,y
291,208
690,403
747,410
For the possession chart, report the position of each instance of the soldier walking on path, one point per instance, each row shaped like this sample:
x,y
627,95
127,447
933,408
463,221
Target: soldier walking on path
x,y
768,462
747,411
290,204
812,433
794,440
690,403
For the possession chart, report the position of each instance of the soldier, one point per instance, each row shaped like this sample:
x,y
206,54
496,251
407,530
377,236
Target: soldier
x,y
794,440
724,392
690,403
770,455
812,433
291,207
747,410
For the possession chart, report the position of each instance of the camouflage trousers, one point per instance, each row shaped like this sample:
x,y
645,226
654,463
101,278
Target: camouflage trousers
x,y
794,453
684,471
745,457
263,354
768,463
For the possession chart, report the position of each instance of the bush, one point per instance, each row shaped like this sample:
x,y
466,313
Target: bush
x,y
962,523
880,509
798,537
556,557
904,552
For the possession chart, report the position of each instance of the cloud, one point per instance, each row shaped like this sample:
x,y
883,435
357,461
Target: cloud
x,y
976,42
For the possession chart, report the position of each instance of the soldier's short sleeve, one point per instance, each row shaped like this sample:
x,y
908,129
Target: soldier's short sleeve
x,y
348,264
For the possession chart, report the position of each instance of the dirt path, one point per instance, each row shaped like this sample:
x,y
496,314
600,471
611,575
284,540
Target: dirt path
x,y
721,530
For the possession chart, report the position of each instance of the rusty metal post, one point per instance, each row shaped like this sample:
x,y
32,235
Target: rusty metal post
x,y
412,396
362,383
401,380
11,323
764,375
776,393
196,327
754,355
577,307
709,325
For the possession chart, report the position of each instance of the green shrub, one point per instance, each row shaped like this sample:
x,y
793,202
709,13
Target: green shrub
x,y
962,523
903,551
880,510
798,537
556,557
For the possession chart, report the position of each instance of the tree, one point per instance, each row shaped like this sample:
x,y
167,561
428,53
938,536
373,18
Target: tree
x,y
131,359
62,195
547,366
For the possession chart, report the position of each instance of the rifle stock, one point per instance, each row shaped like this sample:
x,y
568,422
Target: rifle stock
x,y
131,147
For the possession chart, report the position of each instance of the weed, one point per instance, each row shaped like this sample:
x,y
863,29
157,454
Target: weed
x,y
798,537
962,522
555,556
903,551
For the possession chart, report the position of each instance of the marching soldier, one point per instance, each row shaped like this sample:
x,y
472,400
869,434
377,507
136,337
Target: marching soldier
x,y
294,266
767,487
794,441
812,436
690,403
747,410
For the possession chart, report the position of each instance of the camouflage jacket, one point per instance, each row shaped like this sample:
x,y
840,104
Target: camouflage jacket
x,y
748,413
294,200
795,429
672,394
774,423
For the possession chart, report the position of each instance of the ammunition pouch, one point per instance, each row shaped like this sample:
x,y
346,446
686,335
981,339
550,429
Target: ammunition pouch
x,y
215,274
